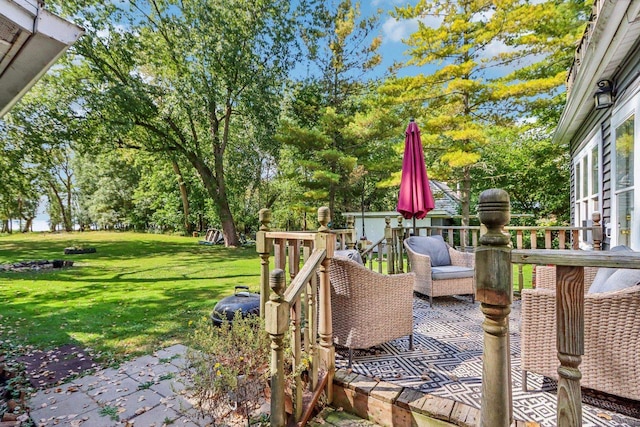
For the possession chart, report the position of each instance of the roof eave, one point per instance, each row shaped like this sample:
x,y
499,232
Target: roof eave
x,y
608,35
43,37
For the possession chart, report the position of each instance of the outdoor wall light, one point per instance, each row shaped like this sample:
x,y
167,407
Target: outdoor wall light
x,y
604,95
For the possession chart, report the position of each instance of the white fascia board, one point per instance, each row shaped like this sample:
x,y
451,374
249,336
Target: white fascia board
x,y
35,55
608,34
23,15
57,28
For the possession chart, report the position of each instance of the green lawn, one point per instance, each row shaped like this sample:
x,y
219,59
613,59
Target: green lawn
x,y
136,294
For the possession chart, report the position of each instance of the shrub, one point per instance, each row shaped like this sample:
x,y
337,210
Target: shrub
x,y
229,366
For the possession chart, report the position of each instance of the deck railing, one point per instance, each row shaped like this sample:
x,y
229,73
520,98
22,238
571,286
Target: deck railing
x,y
520,237
494,259
302,309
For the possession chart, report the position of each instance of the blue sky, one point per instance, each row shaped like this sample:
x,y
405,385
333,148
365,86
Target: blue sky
x,y
392,30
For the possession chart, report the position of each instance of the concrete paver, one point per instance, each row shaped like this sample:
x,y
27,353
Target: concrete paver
x,y
146,391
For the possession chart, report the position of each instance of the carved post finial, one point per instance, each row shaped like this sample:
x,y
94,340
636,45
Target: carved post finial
x,y
324,218
351,221
494,212
277,285
265,218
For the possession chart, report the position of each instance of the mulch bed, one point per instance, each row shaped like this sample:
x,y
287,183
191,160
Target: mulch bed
x,y
46,368
609,402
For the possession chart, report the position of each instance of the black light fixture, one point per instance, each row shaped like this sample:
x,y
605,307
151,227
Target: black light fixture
x,y
604,94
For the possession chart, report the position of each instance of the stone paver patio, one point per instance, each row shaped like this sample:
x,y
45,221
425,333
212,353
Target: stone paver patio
x,y
145,392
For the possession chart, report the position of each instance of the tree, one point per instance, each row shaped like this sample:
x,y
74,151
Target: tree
x,y
475,45
40,129
532,169
192,80
323,154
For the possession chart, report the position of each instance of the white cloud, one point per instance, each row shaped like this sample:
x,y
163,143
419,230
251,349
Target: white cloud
x,y
395,30
495,48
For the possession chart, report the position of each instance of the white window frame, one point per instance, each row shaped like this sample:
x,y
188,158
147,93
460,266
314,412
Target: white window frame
x,y
586,203
630,107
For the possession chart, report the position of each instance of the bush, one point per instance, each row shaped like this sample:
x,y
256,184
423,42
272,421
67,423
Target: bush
x,y
229,366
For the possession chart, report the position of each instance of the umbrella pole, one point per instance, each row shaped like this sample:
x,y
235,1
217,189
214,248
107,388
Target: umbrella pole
x,y
415,233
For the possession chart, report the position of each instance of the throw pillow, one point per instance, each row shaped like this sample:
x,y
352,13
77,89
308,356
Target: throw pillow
x,y
621,279
604,273
434,246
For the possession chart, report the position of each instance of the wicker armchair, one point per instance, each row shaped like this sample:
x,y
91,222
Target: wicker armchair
x,y
611,361
369,308
436,279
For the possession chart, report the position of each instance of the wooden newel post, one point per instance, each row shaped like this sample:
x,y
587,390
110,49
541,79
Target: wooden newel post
x,y
401,238
494,291
264,248
388,238
351,237
596,231
326,352
276,324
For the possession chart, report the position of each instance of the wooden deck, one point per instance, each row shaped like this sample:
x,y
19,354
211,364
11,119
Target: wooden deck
x,y
446,366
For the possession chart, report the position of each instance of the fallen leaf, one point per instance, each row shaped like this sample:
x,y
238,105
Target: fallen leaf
x,y
603,415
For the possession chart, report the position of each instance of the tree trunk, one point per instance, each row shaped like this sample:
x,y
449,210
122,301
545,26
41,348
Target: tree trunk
x,y
466,201
184,196
68,223
218,194
27,225
63,211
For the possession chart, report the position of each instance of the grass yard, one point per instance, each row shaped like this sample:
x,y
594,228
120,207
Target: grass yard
x,y
136,294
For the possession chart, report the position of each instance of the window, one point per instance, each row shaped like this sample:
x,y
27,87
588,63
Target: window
x,y
587,186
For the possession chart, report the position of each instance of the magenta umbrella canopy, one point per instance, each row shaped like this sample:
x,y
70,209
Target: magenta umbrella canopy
x,y
415,199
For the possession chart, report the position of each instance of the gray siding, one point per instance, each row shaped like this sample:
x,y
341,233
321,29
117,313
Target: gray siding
x,y
624,79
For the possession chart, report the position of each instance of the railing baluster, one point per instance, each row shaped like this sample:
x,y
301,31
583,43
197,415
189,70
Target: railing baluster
x,y
296,349
312,327
596,231
519,245
389,241
280,253
575,239
562,239
450,238
294,257
534,239
547,239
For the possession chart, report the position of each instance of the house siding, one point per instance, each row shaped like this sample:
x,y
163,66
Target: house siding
x,y
627,83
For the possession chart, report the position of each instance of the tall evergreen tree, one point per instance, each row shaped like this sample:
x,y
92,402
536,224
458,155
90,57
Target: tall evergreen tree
x,y
493,63
342,49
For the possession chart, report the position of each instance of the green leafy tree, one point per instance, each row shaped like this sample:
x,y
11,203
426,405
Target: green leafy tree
x,y
532,169
195,81
473,48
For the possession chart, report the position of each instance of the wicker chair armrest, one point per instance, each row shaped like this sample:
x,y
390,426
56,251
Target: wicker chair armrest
x,y
462,259
420,263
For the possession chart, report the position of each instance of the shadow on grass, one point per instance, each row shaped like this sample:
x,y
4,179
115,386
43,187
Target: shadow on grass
x,y
31,250
130,325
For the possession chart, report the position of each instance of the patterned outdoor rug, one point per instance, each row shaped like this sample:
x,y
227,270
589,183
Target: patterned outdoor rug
x,y
447,361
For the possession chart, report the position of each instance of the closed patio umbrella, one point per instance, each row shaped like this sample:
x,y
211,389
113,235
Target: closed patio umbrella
x,y
415,199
